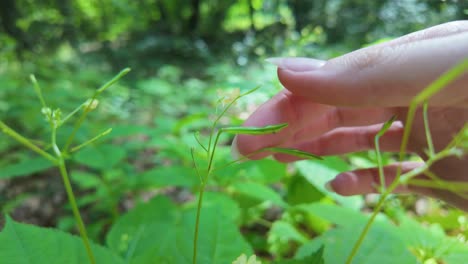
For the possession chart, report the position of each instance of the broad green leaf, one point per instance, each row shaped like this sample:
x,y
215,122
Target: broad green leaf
x,y
261,171
159,211
381,245
159,232
219,242
168,176
25,167
300,191
340,216
85,180
319,173
315,258
27,244
101,157
282,237
431,242
259,192
228,206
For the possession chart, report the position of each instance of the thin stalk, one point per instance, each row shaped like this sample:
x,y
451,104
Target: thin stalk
x,y
89,106
76,212
430,145
213,127
197,223
94,139
26,142
38,90
380,164
200,198
72,113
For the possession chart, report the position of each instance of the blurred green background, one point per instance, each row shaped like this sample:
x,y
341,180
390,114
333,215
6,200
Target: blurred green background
x,y
184,55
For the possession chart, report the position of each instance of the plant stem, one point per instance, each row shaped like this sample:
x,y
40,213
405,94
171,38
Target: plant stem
x,y
94,139
89,106
430,145
76,212
197,223
26,142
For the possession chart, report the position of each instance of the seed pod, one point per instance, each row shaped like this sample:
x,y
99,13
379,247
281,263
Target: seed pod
x,y
295,152
271,129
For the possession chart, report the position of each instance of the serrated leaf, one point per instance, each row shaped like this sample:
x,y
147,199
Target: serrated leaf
x,y
101,157
314,258
259,192
160,232
25,167
168,176
27,244
320,172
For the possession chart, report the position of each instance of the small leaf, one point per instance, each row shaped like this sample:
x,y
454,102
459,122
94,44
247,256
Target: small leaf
x,y
271,129
295,152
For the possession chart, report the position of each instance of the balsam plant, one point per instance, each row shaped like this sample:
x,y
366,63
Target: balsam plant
x,y
210,151
155,233
59,154
457,147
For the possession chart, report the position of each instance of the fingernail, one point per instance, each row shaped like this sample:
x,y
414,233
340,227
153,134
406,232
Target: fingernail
x,y
329,187
234,150
296,64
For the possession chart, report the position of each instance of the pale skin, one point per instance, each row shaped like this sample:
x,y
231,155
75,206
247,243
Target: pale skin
x,y
337,106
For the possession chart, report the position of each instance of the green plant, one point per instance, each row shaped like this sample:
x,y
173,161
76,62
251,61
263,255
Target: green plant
x,y
211,151
263,210
455,148
55,121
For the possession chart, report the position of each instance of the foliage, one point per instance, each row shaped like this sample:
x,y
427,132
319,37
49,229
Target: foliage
x,y
136,188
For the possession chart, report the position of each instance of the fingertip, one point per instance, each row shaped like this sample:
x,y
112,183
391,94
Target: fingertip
x,y
345,184
314,84
235,150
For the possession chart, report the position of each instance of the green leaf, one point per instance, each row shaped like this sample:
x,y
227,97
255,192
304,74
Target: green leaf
x,y
339,215
295,152
102,157
320,172
159,232
259,192
284,238
25,167
382,245
432,242
168,176
314,258
27,244
300,191
85,180
229,207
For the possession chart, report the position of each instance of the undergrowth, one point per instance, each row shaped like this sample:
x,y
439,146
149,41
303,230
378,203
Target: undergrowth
x,y
157,232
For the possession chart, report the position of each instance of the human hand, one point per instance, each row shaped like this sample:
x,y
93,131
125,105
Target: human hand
x,y
337,106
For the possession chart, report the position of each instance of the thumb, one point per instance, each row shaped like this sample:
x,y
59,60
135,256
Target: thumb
x,y
389,74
